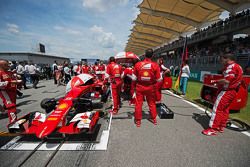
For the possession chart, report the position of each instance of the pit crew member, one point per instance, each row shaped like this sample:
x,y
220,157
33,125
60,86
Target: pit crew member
x,y
229,87
8,88
147,74
113,74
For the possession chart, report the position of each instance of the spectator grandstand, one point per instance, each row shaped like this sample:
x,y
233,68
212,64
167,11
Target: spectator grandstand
x,y
206,45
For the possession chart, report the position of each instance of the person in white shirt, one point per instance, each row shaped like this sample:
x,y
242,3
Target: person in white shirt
x,y
54,71
176,71
171,70
67,71
26,74
33,74
77,69
185,73
21,71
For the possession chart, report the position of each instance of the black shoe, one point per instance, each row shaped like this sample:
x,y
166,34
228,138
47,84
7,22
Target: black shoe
x,y
158,105
20,95
154,121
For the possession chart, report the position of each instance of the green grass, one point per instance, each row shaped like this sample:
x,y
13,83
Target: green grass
x,y
193,93
244,114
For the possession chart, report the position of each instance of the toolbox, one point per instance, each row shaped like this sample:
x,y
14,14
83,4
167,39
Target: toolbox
x,y
164,112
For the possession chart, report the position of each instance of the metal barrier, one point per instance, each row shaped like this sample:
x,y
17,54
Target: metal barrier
x,y
208,62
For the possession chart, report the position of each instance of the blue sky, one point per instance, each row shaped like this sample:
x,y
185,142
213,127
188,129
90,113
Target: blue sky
x,y
72,28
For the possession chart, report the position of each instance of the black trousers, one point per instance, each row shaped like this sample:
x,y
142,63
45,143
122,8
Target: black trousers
x,y
67,78
35,79
23,80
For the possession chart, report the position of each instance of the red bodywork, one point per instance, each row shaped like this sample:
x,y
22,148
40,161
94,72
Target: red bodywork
x,y
210,91
56,121
58,115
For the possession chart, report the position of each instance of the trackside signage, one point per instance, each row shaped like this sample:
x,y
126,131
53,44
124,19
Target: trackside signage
x,y
199,75
194,75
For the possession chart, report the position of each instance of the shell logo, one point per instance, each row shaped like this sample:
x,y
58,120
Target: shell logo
x,y
145,74
62,106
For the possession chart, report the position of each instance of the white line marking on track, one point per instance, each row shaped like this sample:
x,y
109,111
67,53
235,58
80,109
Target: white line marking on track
x,y
48,146
174,94
25,146
101,146
11,143
202,109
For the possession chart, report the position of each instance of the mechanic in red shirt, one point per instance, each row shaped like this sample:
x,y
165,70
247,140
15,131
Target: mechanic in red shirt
x,y
113,74
228,86
85,68
128,72
100,71
163,70
147,74
95,68
8,88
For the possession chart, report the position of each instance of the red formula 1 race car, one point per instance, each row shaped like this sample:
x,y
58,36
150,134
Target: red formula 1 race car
x,y
71,114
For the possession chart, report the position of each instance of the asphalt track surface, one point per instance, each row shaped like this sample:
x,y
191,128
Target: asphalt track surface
x,y
176,142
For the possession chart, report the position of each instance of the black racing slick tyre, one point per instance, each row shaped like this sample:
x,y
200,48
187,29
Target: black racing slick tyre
x,y
48,104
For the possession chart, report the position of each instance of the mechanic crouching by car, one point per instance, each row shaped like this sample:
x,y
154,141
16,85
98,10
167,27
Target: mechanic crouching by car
x,y
146,74
228,87
113,75
8,88
127,76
